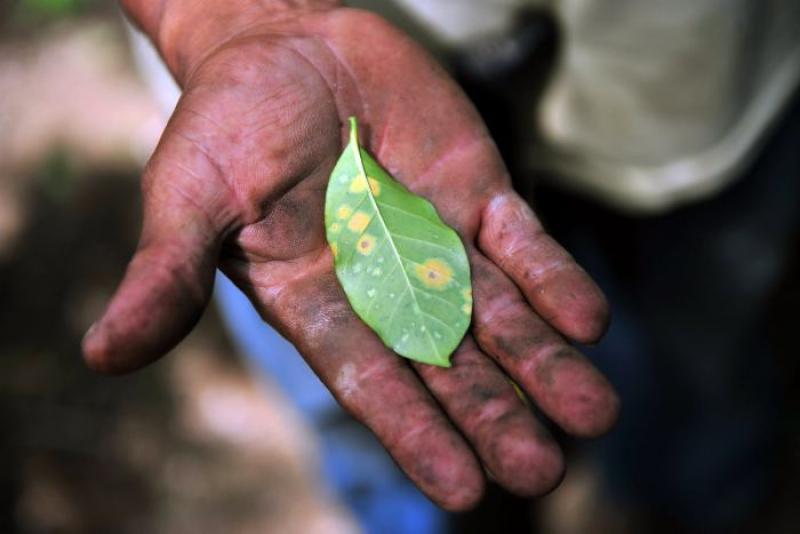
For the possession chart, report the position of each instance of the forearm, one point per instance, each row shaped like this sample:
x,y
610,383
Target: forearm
x,y
184,31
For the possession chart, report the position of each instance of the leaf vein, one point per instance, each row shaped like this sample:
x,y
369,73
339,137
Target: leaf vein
x,y
439,321
418,240
405,211
379,215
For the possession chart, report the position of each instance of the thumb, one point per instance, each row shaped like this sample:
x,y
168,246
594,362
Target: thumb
x,y
168,282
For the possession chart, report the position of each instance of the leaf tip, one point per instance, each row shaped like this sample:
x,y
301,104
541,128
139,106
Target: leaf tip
x,y
441,362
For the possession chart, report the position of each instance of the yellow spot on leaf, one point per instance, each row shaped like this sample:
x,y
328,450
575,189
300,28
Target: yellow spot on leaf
x,y
359,221
359,185
435,274
344,212
366,244
335,250
467,308
467,294
375,186
335,228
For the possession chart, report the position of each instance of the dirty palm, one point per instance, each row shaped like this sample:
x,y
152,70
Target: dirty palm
x,y
238,182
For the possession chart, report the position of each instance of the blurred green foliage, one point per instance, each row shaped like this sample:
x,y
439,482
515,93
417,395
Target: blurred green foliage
x,y
29,15
58,176
53,8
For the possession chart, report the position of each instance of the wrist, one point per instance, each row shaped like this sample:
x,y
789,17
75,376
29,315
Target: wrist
x,y
186,31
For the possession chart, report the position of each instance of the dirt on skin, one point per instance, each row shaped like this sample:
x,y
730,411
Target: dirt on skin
x,y
194,443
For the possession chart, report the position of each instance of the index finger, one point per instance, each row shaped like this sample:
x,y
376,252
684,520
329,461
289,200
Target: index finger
x,y
555,286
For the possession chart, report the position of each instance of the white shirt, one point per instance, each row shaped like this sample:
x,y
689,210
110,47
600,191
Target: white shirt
x,y
654,102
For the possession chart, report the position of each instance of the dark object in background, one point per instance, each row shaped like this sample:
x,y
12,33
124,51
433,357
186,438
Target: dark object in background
x,y
499,511
504,75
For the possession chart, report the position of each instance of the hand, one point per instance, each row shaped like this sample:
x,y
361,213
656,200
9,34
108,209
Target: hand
x,y
238,182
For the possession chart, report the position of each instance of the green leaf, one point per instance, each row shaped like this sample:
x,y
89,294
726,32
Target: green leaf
x,y
405,272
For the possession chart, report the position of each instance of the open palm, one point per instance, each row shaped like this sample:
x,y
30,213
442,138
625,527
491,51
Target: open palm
x,y
238,182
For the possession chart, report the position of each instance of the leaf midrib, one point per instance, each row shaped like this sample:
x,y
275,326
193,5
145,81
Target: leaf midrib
x,y
357,148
